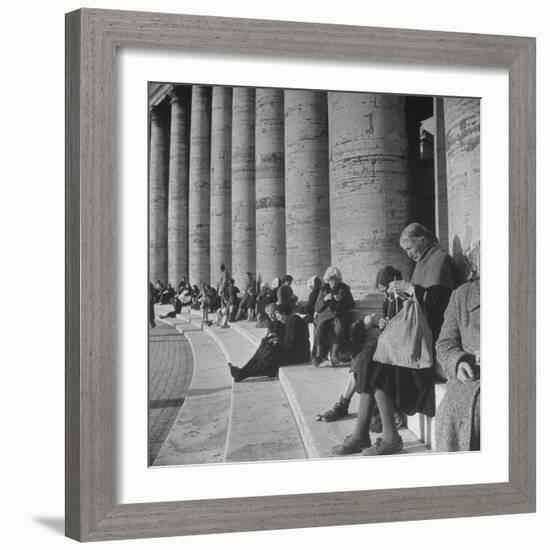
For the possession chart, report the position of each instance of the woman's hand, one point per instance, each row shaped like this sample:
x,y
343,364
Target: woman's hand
x,y
464,372
382,323
401,288
327,297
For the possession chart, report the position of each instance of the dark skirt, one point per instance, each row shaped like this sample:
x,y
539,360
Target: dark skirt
x,y
332,331
265,362
412,390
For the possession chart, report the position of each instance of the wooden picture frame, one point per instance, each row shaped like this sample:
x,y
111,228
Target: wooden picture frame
x,y
92,39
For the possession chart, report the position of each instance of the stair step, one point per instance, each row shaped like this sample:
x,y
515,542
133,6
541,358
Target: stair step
x,y
304,384
262,425
199,433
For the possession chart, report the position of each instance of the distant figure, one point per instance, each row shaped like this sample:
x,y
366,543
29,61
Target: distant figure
x,y
152,300
176,311
285,295
264,298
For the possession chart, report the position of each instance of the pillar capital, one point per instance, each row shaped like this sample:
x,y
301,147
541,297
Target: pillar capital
x,y
177,94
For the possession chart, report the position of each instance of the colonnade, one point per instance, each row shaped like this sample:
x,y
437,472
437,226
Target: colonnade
x,y
291,181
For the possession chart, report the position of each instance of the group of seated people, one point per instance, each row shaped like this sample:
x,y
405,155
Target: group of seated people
x,y
452,315
227,301
385,390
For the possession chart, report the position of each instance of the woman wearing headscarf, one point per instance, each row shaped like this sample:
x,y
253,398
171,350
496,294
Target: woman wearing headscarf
x,y
285,294
262,300
332,318
391,386
458,415
307,308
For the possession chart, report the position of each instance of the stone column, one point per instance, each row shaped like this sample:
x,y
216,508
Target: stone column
x,y
462,127
270,184
199,186
178,187
440,168
158,194
368,185
243,240
220,182
306,186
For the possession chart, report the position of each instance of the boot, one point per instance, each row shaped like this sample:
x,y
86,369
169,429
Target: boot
x,y
340,410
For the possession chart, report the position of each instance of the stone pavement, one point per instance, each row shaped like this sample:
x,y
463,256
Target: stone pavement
x,y
170,373
199,433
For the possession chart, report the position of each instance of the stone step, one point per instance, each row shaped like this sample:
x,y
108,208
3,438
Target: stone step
x,y
199,433
312,391
308,390
262,425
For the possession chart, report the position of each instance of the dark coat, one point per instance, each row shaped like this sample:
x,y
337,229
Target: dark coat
x,y
458,413
285,295
294,344
338,306
308,308
290,346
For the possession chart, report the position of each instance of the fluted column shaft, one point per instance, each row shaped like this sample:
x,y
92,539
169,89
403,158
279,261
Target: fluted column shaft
x,y
243,242
158,195
306,186
199,186
368,185
462,127
220,182
440,161
178,188
270,184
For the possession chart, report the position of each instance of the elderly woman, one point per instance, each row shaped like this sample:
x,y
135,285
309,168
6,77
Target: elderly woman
x,y
332,318
458,418
364,335
307,308
391,386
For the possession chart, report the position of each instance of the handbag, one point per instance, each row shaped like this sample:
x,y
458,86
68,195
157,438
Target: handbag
x,y
407,339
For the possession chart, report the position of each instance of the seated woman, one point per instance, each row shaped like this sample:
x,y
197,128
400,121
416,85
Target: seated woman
x,y
286,343
285,295
263,299
458,417
177,309
307,308
364,335
195,297
332,318
393,386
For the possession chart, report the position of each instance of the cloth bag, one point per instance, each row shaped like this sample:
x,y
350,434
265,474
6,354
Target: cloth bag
x,y
407,339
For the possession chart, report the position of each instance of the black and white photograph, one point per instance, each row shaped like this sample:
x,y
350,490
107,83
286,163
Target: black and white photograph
x,y
314,274
256,233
